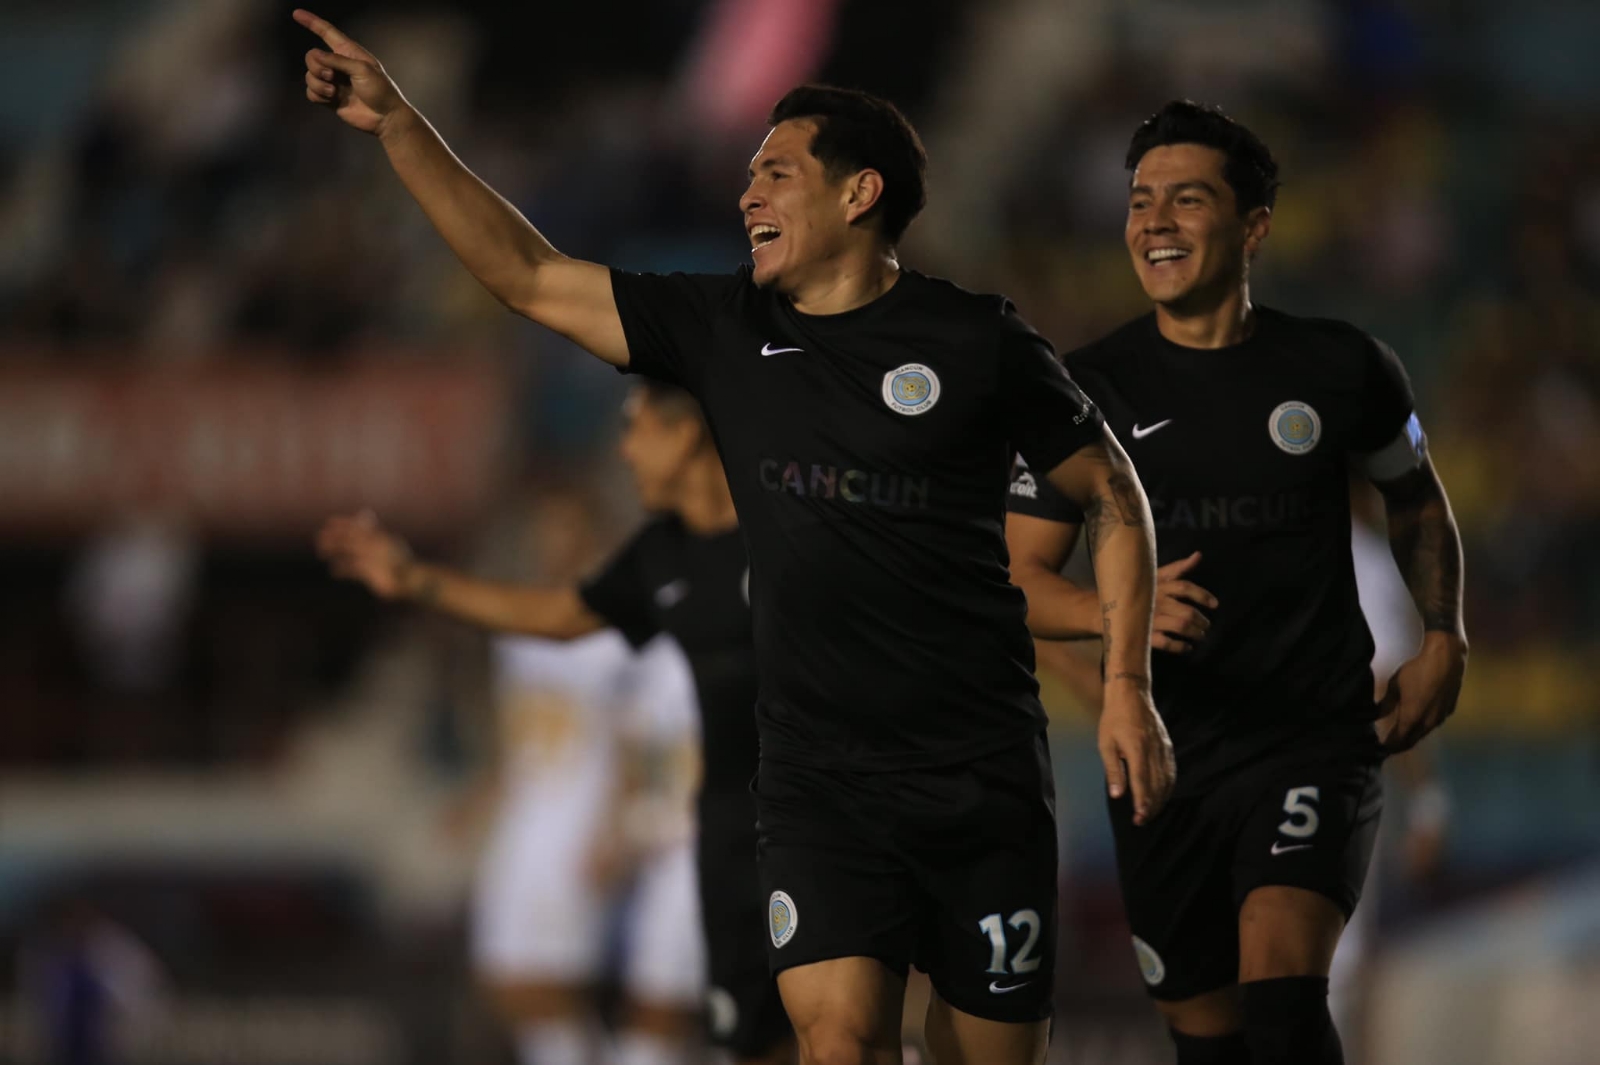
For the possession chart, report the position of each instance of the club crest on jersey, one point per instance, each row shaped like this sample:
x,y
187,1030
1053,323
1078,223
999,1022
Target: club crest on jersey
x,y
782,918
1294,427
1151,967
911,389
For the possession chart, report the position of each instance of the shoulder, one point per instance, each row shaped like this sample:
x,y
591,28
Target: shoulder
x,y
1105,356
960,313
1328,345
713,289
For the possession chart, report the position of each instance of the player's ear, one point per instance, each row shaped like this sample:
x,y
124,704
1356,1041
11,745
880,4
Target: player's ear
x,y
1257,225
861,193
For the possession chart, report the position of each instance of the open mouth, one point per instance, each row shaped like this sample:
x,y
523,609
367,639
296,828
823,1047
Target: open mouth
x,y
1162,256
762,235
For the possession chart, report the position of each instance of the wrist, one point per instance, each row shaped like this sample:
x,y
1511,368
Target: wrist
x,y
1129,678
1452,641
394,126
412,579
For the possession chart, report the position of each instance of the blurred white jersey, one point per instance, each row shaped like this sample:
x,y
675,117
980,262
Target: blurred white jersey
x,y
1385,600
567,712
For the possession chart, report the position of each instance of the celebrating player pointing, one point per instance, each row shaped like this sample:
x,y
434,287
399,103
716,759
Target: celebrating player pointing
x,y
867,417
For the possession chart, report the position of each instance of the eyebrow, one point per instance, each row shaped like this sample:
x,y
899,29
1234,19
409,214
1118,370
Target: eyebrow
x,y
1182,186
769,162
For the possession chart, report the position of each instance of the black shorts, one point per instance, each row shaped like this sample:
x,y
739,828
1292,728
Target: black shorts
x,y
743,1011
951,869
1305,819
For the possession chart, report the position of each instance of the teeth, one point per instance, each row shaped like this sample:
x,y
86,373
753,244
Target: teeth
x,y
1161,255
763,233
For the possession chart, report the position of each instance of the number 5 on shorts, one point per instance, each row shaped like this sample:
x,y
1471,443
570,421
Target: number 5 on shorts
x,y
1025,961
1303,820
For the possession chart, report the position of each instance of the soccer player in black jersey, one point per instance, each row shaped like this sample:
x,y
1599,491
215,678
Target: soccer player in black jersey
x,y
684,574
1243,421
867,417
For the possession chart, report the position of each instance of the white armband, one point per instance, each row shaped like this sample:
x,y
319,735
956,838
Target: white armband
x,y
1406,452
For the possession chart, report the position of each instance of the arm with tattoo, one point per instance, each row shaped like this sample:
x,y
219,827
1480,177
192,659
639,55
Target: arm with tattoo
x,y
1134,746
1426,546
1121,542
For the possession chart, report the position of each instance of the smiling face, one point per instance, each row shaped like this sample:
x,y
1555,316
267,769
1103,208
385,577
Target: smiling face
x,y
796,216
1189,243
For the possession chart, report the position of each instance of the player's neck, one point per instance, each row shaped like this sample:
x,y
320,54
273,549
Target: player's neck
x,y
1218,324
705,505
853,279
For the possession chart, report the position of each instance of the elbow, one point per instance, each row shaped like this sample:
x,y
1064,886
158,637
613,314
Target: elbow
x,y
523,288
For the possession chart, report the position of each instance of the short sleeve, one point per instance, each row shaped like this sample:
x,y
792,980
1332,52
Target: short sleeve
x,y
620,595
1386,399
1047,416
1037,498
668,321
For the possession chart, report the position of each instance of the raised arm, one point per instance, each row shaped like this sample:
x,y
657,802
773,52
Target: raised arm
x,y
492,239
1427,548
357,548
1101,481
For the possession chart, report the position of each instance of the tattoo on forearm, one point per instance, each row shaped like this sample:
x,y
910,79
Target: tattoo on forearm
x,y
1427,549
1116,504
1106,609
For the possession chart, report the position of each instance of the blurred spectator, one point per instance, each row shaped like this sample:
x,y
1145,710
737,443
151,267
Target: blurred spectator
x,y
90,984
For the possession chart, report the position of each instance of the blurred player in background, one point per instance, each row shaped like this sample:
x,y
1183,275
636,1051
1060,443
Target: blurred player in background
x,y
1244,423
684,574
585,833
866,416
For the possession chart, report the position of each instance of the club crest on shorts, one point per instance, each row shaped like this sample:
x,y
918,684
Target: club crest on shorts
x,y
1294,427
911,389
722,1012
782,918
1151,967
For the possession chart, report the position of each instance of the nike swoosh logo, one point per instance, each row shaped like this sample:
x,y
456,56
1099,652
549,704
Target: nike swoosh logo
x,y
672,593
768,349
1278,848
996,988
1140,434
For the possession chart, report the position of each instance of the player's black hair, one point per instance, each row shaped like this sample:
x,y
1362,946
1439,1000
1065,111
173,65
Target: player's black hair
x,y
670,401
1250,170
858,131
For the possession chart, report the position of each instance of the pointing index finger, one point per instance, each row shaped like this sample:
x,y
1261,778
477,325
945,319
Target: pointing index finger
x,y
321,27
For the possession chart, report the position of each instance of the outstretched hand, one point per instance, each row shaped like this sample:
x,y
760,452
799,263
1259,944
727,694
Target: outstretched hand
x,y
348,79
357,548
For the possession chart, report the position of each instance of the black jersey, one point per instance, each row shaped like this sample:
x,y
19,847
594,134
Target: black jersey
x,y
695,589
868,454
1245,454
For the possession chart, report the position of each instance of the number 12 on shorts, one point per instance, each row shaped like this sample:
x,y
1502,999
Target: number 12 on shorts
x,y
1024,961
